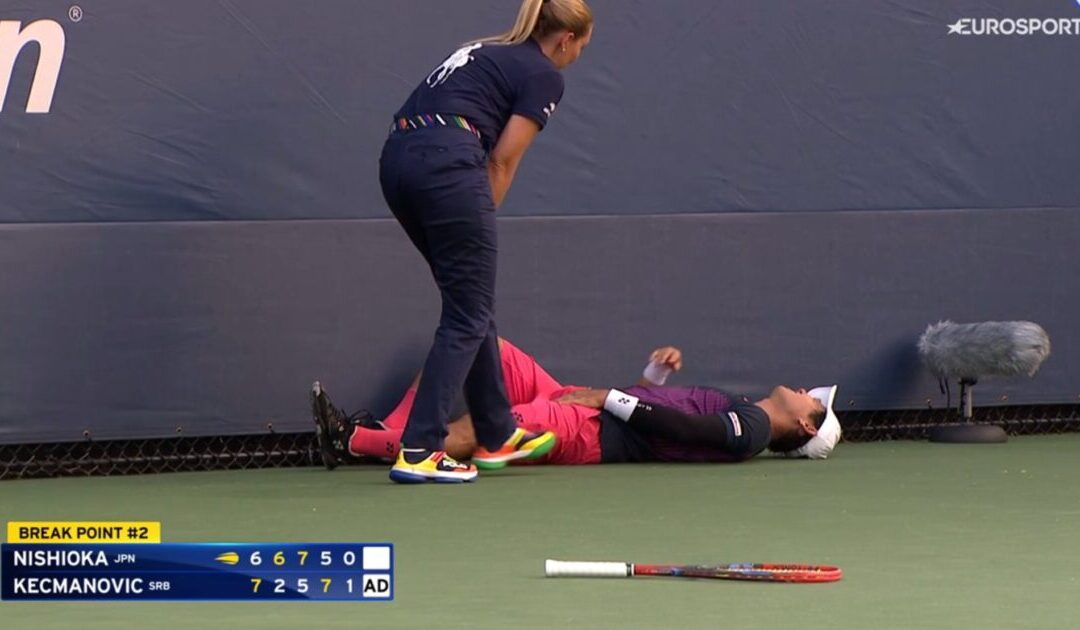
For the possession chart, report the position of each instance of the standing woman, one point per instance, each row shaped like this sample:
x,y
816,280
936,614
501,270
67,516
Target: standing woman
x,y
451,156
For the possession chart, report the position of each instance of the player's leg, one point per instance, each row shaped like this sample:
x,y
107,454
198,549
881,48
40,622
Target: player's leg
x,y
385,443
576,425
541,424
334,427
397,418
525,379
461,439
576,429
497,446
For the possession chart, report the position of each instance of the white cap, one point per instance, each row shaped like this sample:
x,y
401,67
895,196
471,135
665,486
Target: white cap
x,y
828,434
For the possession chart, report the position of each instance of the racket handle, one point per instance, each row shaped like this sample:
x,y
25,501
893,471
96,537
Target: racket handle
x,y
559,568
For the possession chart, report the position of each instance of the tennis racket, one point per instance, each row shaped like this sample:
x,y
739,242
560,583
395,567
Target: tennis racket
x,y
755,572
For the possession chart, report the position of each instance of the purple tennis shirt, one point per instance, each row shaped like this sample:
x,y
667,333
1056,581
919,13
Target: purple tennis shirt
x,y
748,427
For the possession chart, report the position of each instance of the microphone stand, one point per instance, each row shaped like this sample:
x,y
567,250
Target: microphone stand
x,y
968,432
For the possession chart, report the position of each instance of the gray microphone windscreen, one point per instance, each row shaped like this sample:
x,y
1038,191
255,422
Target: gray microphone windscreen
x,y
968,351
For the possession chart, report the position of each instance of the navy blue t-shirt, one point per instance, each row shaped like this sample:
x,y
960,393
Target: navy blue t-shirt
x,y
488,83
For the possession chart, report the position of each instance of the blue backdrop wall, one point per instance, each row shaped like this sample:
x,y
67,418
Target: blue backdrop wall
x,y
191,228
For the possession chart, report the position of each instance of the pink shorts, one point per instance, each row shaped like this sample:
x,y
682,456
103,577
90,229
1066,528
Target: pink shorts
x,y
532,393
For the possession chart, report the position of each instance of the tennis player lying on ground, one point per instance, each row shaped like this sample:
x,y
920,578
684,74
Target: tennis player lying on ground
x,y
647,422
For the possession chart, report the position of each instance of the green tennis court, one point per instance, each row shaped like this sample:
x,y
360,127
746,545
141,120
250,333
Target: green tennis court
x,y
929,536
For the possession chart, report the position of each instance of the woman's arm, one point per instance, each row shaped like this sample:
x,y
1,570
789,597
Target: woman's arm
x,y
505,157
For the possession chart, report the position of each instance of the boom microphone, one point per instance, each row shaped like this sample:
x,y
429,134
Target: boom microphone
x,y
970,351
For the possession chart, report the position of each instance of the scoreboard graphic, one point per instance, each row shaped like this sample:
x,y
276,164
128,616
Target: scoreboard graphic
x,y
125,571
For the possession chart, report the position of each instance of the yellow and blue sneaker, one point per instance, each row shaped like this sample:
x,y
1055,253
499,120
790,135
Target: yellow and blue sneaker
x,y
418,465
521,445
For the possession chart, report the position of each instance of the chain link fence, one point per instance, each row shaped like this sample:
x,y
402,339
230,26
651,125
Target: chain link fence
x,y
284,450
179,454
869,426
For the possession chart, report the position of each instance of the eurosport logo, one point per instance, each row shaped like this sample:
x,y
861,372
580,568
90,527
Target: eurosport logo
x,y
1023,27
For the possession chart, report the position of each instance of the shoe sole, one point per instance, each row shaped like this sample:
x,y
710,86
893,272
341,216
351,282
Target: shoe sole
x,y
410,478
497,463
322,434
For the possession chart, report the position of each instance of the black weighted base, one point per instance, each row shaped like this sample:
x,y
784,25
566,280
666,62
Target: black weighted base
x,y
969,434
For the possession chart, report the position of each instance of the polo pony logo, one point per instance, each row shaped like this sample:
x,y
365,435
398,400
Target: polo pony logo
x,y
460,58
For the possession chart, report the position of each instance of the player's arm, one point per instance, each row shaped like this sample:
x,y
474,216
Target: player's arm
x,y
671,424
715,431
504,159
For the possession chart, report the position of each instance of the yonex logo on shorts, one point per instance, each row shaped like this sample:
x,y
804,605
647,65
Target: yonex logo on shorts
x,y
14,38
735,423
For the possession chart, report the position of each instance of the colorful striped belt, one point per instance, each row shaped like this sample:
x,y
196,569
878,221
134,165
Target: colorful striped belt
x,y
422,121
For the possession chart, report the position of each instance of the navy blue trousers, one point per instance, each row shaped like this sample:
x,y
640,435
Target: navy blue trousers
x,y
436,183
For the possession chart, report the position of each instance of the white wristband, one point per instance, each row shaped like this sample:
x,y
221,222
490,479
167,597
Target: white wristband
x,y
656,373
620,404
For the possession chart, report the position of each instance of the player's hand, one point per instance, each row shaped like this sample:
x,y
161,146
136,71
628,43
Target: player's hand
x,y
592,398
668,356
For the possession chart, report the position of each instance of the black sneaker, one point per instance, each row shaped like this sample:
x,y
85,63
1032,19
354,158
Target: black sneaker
x,y
333,428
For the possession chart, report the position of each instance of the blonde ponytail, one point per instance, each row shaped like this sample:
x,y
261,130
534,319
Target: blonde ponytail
x,y
540,17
